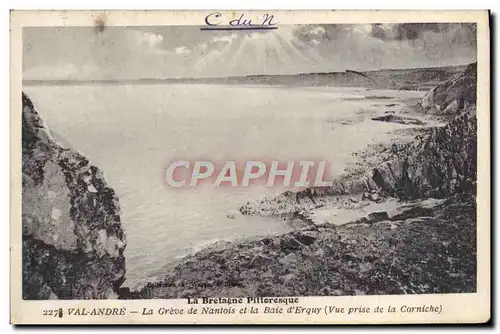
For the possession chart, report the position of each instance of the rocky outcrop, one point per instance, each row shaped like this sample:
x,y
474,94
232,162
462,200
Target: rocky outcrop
x,y
73,240
454,94
439,163
443,162
398,119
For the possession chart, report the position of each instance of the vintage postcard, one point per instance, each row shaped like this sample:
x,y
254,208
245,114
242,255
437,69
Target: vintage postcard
x,y
250,167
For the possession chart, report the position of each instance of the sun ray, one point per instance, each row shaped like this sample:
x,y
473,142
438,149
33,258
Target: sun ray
x,y
299,47
237,54
259,52
211,55
294,50
282,50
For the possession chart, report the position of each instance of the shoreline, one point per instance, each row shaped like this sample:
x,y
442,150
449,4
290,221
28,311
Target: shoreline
x,y
366,158
300,217
352,189
428,248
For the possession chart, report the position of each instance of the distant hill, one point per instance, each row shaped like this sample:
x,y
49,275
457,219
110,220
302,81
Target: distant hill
x,y
404,79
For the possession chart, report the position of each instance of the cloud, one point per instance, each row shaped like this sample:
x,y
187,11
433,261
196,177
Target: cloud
x,y
136,52
224,39
307,33
148,38
414,31
317,31
182,50
374,46
441,33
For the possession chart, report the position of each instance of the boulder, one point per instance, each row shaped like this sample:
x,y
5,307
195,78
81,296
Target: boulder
x,y
378,216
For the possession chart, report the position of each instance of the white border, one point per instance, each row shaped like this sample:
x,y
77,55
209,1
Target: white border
x,y
126,4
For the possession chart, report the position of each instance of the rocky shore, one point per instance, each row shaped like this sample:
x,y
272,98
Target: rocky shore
x,y
420,249
413,228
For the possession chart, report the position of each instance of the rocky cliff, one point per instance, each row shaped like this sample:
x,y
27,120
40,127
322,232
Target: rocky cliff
x,y
454,94
437,165
73,240
444,161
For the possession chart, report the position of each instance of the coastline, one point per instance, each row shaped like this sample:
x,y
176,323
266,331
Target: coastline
x,y
406,251
395,213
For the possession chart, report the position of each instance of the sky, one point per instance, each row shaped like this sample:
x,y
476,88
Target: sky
x,y
114,53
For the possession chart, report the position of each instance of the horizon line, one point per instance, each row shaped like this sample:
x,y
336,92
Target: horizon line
x,y
252,75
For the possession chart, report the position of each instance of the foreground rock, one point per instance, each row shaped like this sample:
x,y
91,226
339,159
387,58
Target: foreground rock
x,y
73,240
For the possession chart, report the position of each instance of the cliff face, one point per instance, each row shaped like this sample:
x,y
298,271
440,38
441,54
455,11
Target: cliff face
x,y
73,241
454,94
443,162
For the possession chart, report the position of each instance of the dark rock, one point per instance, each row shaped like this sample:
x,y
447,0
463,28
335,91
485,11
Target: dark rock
x,y
398,119
350,257
414,212
378,216
437,165
289,243
73,241
378,97
305,239
124,293
442,162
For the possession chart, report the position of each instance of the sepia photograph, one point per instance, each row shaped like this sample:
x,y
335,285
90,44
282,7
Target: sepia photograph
x,y
241,159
